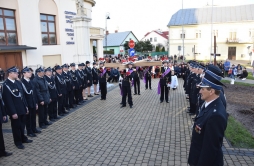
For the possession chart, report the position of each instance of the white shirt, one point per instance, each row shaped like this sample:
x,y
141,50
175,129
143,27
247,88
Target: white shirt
x,y
11,80
207,103
28,80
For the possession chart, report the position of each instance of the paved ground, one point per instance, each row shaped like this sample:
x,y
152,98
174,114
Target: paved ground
x,y
100,133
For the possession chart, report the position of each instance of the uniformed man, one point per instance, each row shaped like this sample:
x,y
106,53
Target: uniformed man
x,y
102,81
165,79
31,99
3,152
52,107
89,79
69,86
16,107
126,89
148,77
95,78
75,83
209,126
61,90
43,97
189,79
136,82
81,82
84,73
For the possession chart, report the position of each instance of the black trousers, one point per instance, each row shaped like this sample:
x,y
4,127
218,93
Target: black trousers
x,y
61,100
103,87
69,99
193,107
80,94
18,128
136,85
164,92
52,109
115,78
2,147
42,114
31,121
126,91
75,96
148,80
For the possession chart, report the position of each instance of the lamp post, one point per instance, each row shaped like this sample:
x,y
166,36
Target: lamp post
x,y
106,35
183,34
211,34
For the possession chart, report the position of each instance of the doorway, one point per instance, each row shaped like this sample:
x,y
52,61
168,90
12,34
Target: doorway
x,y
232,53
9,59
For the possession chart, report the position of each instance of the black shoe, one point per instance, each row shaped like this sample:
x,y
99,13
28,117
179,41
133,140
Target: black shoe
x,y
7,154
131,106
150,88
102,99
146,88
135,94
65,112
90,95
72,106
52,120
167,102
48,123
31,135
37,131
191,114
80,103
43,127
121,103
28,141
188,112
123,106
96,94
161,101
139,94
57,117
61,114
20,146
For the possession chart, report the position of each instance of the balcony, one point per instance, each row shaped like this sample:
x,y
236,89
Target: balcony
x,y
247,40
230,40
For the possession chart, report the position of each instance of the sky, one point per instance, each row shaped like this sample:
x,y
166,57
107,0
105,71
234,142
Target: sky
x,y
142,16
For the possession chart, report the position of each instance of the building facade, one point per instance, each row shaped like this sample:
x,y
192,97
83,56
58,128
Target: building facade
x,y
233,27
157,37
46,32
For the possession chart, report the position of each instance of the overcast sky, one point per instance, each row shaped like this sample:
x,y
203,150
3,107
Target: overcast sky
x,y
142,16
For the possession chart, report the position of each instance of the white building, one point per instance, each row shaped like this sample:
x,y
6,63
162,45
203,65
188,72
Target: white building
x,y
233,27
47,32
157,37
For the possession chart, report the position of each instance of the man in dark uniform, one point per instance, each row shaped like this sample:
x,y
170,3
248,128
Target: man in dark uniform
x,y
43,97
52,107
61,90
81,82
148,77
136,81
209,126
31,99
89,79
95,78
126,89
3,152
165,79
189,79
69,95
84,73
75,83
102,81
16,107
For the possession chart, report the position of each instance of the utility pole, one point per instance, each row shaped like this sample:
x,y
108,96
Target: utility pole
x,y
211,32
183,34
215,51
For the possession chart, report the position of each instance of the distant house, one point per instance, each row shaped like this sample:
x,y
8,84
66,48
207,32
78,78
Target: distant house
x,y
157,37
232,26
116,40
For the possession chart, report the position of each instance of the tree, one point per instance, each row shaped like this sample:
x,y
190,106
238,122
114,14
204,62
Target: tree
x,y
126,45
163,49
147,46
157,49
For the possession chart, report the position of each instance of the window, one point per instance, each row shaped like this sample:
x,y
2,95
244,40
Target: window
x,y
232,36
8,32
251,33
182,34
155,39
48,29
198,34
151,39
215,33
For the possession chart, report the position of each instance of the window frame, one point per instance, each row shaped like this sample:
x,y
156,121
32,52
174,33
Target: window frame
x,y
5,31
155,39
48,33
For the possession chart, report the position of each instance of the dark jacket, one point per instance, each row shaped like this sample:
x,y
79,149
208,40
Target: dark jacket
x,y
166,79
14,99
148,74
74,79
95,75
84,73
30,93
68,80
135,75
51,87
89,74
126,81
205,149
102,77
2,109
41,89
80,77
194,91
60,84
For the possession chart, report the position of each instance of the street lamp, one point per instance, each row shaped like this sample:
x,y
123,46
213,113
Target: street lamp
x,y
107,18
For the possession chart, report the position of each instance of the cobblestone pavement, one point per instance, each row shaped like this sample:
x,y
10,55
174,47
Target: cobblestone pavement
x,y
101,133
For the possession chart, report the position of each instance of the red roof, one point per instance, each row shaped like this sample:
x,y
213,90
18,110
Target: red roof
x,y
163,33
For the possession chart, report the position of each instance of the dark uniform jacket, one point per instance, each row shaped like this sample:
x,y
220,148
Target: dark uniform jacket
x,y
80,76
126,80
95,75
205,149
102,78
2,109
30,93
166,79
148,73
194,91
13,97
84,73
135,75
51,87
188,83
68,81
60,84
42,91
74,79
89,74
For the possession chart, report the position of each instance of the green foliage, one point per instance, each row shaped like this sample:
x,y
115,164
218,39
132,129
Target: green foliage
x,y
157,49
109,52
238,135
126,45
94,49
163,49
250,76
